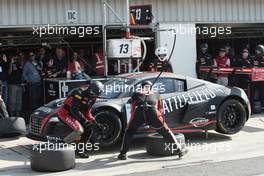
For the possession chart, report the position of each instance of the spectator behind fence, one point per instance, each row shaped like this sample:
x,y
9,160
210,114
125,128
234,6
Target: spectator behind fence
x,y
50,68
244,61
222,61
3,76
15,86
230,53
61,63
3,111
242,80
86,58
33,79
76,67
89,61
41,58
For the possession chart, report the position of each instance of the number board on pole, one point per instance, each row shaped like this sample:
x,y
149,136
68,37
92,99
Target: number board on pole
x,y
141,14
124,48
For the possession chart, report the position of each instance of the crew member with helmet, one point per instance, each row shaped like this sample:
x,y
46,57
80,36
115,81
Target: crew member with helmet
x,y
204,59
76,112
258,61
160,62
146,107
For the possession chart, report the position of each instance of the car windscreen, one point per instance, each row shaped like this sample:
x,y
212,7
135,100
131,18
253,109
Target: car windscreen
x,y
114,87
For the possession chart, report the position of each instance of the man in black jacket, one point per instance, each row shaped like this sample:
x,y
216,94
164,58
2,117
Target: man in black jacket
x,y
204,59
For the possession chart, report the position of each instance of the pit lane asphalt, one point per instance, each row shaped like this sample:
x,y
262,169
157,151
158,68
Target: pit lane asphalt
x,y
239,154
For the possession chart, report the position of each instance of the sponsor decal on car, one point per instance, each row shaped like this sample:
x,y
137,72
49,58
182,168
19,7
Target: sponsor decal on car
x,y
199,122
199,96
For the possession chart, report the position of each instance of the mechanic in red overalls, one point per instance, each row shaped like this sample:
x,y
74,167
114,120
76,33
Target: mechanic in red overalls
x,y
153,116
76,112
222,61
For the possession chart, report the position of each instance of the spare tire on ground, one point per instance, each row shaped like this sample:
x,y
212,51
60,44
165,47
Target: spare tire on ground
x,y
12,126
157,146
52,157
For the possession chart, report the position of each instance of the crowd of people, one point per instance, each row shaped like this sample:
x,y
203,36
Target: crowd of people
x,y
24,72
226,58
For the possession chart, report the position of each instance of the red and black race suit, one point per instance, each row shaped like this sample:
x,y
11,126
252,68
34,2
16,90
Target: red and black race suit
x,y
76,109
153,117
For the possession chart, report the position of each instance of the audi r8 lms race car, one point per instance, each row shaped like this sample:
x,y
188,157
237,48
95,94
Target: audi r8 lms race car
x,y
190,105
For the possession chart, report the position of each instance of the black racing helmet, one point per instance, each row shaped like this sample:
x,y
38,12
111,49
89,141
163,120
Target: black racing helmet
x,y
146,83
96,88
259,50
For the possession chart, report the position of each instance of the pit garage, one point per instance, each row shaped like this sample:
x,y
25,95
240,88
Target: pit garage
x,y
237,37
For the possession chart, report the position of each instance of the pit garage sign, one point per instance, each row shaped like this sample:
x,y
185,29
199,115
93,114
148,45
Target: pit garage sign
x,y
141,14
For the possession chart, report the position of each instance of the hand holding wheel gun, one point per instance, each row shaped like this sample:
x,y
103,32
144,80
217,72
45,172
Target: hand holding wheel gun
x,y
76,113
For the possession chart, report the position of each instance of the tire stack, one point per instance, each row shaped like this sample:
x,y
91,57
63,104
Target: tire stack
x,y
12,126
156,145
52,157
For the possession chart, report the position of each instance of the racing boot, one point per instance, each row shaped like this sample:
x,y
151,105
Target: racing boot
x,y
181,152
81,154
122,156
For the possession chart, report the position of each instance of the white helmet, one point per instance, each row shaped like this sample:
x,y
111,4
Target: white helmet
x,y
161,53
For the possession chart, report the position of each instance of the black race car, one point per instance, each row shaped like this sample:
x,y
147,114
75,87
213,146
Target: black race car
x,y
190,105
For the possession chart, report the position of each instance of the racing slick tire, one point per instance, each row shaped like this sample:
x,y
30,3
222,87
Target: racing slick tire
x,y
52,157
232,117
111,130
156,145
12,126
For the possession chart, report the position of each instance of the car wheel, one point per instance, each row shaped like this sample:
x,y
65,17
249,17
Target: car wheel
x,y
111,129
12,126
52,157
232,117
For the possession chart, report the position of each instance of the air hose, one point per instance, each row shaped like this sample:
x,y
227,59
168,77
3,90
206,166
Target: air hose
x,y
144,53
164,65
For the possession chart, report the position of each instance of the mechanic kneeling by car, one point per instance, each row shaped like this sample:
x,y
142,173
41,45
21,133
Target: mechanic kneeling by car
x,y
76,113
146,107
